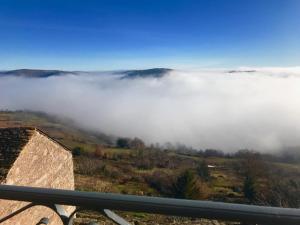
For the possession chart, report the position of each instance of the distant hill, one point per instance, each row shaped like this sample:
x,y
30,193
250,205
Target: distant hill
x,y
242,71
155,73
127,74
34,73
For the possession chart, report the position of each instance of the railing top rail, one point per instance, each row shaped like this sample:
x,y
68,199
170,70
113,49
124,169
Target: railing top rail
x,y
167,206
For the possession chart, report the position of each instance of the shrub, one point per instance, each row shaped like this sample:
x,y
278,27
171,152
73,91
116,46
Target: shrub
x,y
249,188
112,172
88,166
137,143
77,151
203,171
161,181
123,142
144,163
99,151
189,186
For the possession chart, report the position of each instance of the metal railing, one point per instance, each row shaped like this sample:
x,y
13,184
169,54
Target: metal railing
x,y
105,202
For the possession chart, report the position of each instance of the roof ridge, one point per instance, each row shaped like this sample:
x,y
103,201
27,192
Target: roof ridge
x,y
37,130
52,139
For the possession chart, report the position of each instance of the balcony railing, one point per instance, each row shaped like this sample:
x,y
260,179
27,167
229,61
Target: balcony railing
x,y
105,202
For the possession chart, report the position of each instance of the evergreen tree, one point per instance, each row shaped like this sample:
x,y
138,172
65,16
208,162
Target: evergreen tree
x,y
203,170
249,188
189,186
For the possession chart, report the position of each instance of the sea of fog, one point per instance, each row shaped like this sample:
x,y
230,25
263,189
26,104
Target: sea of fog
x,y
204,109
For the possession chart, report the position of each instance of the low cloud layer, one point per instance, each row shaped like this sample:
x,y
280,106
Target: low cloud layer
x,y
204,109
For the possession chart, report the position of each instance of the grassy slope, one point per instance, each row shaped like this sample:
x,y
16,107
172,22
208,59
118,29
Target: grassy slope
x,y
225,183
71,137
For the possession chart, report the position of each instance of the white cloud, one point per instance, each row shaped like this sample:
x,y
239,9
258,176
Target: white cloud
x,y
204,109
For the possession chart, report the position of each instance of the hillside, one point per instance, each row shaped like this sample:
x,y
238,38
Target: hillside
x,y
106,165
127,74
155,72
34,73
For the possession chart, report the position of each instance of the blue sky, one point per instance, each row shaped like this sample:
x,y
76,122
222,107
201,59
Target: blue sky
x,y
119,34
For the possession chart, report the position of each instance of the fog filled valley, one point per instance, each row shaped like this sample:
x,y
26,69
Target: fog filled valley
x,y
245,108
222,135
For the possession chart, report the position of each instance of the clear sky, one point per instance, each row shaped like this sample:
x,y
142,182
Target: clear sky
x,y
123,34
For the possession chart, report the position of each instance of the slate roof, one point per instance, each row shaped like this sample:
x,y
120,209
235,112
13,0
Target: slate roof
x,y
12,141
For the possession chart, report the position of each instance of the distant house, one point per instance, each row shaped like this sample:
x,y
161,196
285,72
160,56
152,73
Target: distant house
x,y
211,166
28,157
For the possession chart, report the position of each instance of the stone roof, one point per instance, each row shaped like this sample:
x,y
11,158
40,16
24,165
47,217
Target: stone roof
x,y
28,157
12,141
